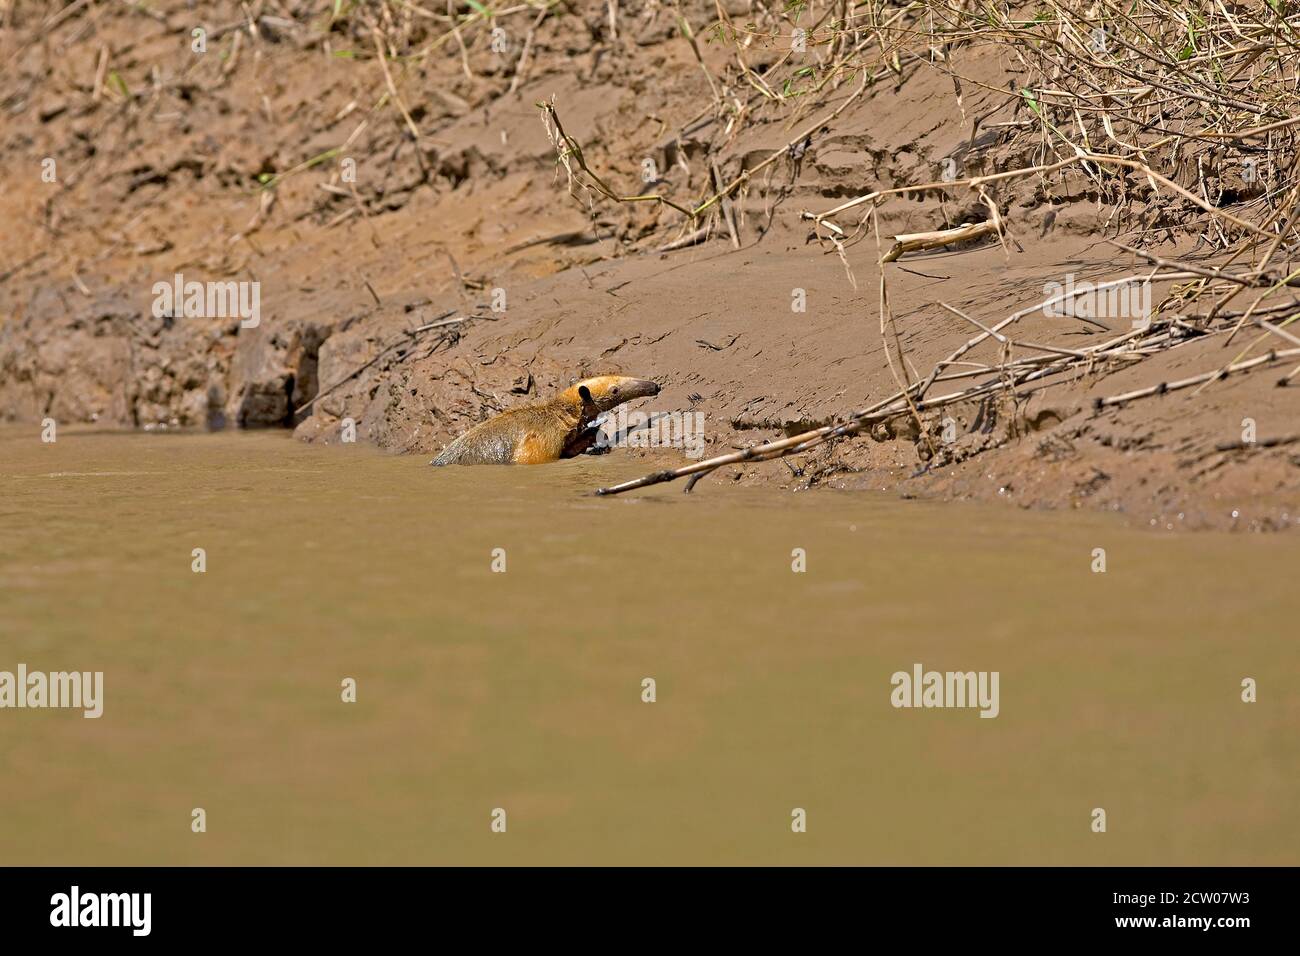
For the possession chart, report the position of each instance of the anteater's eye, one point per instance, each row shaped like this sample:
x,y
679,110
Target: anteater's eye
x,y
614,390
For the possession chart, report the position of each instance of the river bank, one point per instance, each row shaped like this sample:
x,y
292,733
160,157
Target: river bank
x,y
369,191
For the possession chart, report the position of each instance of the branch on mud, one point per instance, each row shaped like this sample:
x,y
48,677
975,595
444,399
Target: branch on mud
x,y
1014,377
918,241
568,151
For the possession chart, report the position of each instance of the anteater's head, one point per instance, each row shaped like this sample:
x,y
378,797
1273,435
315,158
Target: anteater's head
x,y
610,391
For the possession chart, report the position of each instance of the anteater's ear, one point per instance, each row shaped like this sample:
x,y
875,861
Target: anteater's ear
x,y
584,393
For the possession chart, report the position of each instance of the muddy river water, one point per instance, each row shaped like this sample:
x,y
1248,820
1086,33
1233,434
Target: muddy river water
x,y
479,690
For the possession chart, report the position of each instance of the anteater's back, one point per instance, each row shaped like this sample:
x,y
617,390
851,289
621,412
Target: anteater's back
x,y
481,445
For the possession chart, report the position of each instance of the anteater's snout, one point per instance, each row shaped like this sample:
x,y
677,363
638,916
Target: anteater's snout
x,y
638,388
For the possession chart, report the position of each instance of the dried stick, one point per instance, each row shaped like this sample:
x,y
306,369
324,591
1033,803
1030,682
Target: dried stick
x,y
1215,375
917,241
